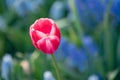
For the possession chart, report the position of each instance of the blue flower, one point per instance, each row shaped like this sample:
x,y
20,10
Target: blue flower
x,y
75,57
95,77
116,11
90,46
57,10
6,68
91,12
48,75
62,51
23,7
73,54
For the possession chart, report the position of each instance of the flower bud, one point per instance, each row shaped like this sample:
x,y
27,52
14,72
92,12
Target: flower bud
x,y
45,35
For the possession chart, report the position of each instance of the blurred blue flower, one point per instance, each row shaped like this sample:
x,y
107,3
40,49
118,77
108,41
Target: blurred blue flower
x,y
62,51
91,12
95,77
6,68
23,7
90,46
57,10
9,3
76,58
116,12
48,75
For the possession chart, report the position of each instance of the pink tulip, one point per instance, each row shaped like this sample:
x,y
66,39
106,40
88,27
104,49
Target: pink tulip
x,y
45,35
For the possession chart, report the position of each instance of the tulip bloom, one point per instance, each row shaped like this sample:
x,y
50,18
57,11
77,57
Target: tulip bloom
x,y
45,35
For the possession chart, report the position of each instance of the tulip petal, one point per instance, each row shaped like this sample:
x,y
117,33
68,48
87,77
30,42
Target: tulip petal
x,y
35,25
45,45
55,30
36,35
33,35
45,26
40,34
55,41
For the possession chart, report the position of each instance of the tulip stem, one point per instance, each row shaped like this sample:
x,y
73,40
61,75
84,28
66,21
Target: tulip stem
x,y
56,67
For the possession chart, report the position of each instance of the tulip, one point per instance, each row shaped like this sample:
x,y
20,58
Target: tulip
x,y
45,35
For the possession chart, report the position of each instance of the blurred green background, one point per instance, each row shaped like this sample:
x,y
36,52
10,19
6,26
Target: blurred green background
x,y
90,42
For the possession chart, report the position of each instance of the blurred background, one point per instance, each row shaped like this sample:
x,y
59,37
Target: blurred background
x,y
89,47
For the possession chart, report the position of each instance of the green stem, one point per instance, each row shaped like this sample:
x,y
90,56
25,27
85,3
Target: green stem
x,y
56,67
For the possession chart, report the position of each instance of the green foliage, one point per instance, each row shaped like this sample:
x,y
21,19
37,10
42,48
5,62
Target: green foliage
x,y
15,39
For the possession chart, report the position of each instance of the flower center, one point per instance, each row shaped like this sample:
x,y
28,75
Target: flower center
x,y
47,35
